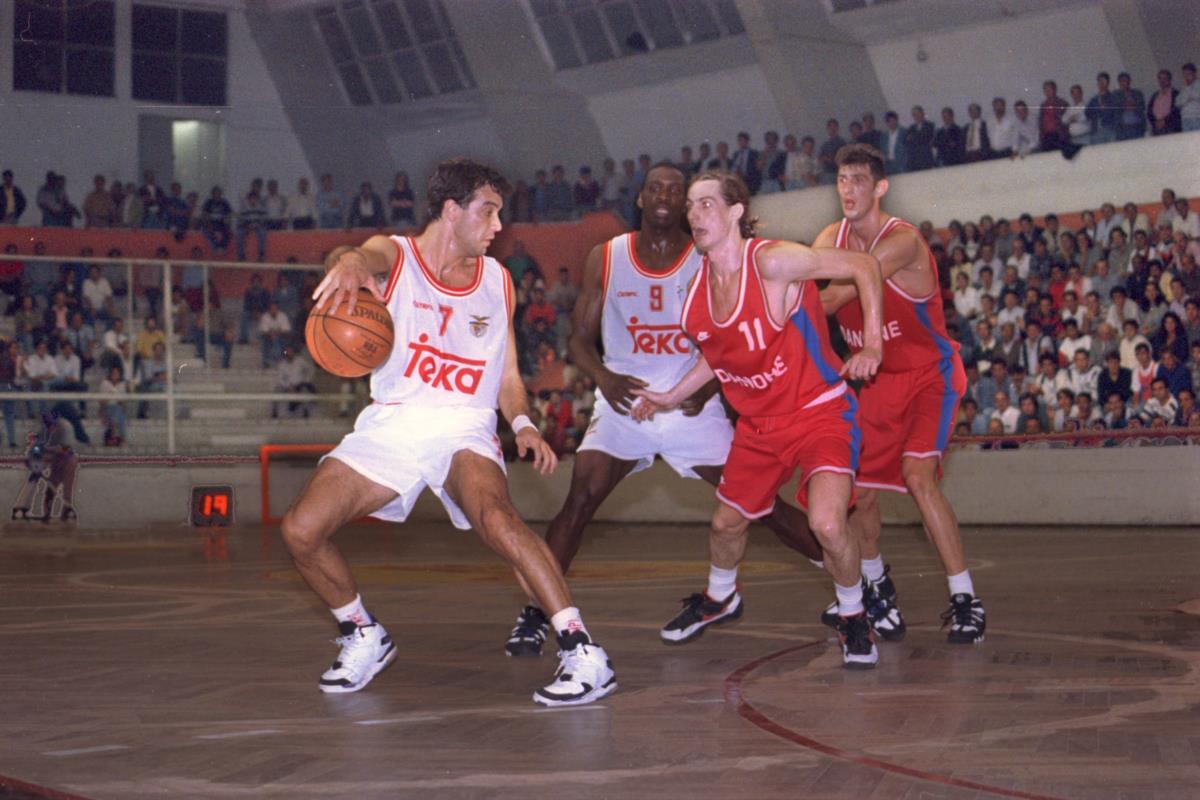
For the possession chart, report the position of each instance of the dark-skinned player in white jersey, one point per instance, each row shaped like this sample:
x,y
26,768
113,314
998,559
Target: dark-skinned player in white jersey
x,y
632,295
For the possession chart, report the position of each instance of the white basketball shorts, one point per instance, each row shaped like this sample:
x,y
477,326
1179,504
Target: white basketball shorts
x,y
683,442
408,448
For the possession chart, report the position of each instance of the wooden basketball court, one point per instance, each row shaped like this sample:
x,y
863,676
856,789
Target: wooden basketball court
x,y
170,663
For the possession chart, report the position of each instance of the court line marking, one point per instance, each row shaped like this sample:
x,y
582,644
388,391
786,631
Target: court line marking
x,y
37,791
80,751
734,695
237,734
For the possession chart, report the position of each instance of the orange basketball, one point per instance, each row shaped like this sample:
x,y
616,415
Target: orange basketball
x,y
351,345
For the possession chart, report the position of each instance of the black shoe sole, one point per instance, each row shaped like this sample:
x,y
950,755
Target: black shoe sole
x,y
857,666
890,636
977,640
734,617
524,651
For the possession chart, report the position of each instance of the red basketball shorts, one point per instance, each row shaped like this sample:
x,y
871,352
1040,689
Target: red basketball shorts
x,y
907,414
767,450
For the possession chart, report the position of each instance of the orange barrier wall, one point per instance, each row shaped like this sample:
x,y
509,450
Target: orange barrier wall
x,y
553,245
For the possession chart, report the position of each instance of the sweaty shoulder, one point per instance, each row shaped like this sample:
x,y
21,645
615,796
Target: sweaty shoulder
x,y
828,236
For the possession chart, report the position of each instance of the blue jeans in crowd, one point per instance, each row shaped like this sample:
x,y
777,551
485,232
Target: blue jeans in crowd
x,y
115,413
260,234
10,414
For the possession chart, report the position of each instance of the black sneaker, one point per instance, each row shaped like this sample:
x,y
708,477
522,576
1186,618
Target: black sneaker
x,y
529,634
700,611
966,620
879,597
858,642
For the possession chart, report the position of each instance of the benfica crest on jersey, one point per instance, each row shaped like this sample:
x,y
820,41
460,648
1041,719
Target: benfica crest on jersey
x,y
479,325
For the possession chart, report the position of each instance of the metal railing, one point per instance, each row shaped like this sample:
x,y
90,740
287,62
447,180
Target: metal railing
x,y
170,396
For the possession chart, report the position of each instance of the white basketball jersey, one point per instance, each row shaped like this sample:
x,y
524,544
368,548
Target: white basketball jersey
x,y
640,324
450,343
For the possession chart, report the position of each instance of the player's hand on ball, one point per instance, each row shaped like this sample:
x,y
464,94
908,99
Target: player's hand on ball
x,y
544,460
863,365
349,273
620,390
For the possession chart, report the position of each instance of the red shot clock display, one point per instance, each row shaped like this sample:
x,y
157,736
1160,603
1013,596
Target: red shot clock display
x,y
212,506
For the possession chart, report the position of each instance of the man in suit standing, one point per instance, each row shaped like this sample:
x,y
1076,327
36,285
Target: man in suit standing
x,y
949,140
976,143
870,134
919,141
745,163
894,153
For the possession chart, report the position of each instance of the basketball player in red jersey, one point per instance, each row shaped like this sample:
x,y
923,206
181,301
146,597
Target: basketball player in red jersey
x,y
907,413
755,313
433,424
633,291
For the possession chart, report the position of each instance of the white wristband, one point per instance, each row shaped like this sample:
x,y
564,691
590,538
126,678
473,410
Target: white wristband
x,y
521,422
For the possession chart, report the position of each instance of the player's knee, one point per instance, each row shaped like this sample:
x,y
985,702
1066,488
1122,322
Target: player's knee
x,y
729,525
500,525
920,477
828,526
300,534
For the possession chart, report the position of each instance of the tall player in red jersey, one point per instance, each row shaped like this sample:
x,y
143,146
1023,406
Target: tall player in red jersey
x,y
907,413
451,305
634,287
755,313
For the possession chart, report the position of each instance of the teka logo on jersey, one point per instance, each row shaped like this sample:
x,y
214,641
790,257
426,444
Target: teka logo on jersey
x,y
891,330
760,381
444,370
658,340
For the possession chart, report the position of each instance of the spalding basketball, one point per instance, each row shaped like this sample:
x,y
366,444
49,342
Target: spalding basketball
x,y
351,344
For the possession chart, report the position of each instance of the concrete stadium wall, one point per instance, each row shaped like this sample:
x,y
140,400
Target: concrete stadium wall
x,y
1118,486
1117,173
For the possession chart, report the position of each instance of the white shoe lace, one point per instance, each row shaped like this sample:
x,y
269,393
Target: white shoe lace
x,y
356,650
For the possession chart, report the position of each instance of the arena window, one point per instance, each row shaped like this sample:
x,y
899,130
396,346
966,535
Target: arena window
x,y
386,51
592,31
179,55
63,47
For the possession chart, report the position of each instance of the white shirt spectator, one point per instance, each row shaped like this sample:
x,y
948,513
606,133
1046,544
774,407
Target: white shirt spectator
x,y
96,292
113,340
1188,100
1078,381
1078,315
1046,387
1022,265
1008,418
108,387
1128,350
966,301
1190,225
1157,408
1117,316
1026,134
40,368
294,372
1093,414
1077,122
1066,349
277,207
301,206
69,368
1104,229
277,323
1003,134
1015,315
997,268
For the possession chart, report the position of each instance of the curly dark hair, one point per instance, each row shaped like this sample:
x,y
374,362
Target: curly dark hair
x,y
733,191
458,179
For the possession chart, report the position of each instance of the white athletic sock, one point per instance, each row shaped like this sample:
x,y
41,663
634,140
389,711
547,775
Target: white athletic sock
x,y
850,599
721,582
961,583
354,611
568,621
872,568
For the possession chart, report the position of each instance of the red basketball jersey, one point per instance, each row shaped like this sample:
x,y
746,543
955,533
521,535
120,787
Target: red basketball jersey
x,y
914,328
766,368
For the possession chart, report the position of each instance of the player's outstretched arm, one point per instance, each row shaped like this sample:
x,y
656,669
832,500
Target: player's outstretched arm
x,y
901,251
348,269
652,402
787,262
585,334
514,405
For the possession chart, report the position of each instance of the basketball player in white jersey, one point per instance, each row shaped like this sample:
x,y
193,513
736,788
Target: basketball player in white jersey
x,y
433,424
633,291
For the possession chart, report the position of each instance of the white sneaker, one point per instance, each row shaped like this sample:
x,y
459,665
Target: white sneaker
x,y
585,674
366,651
